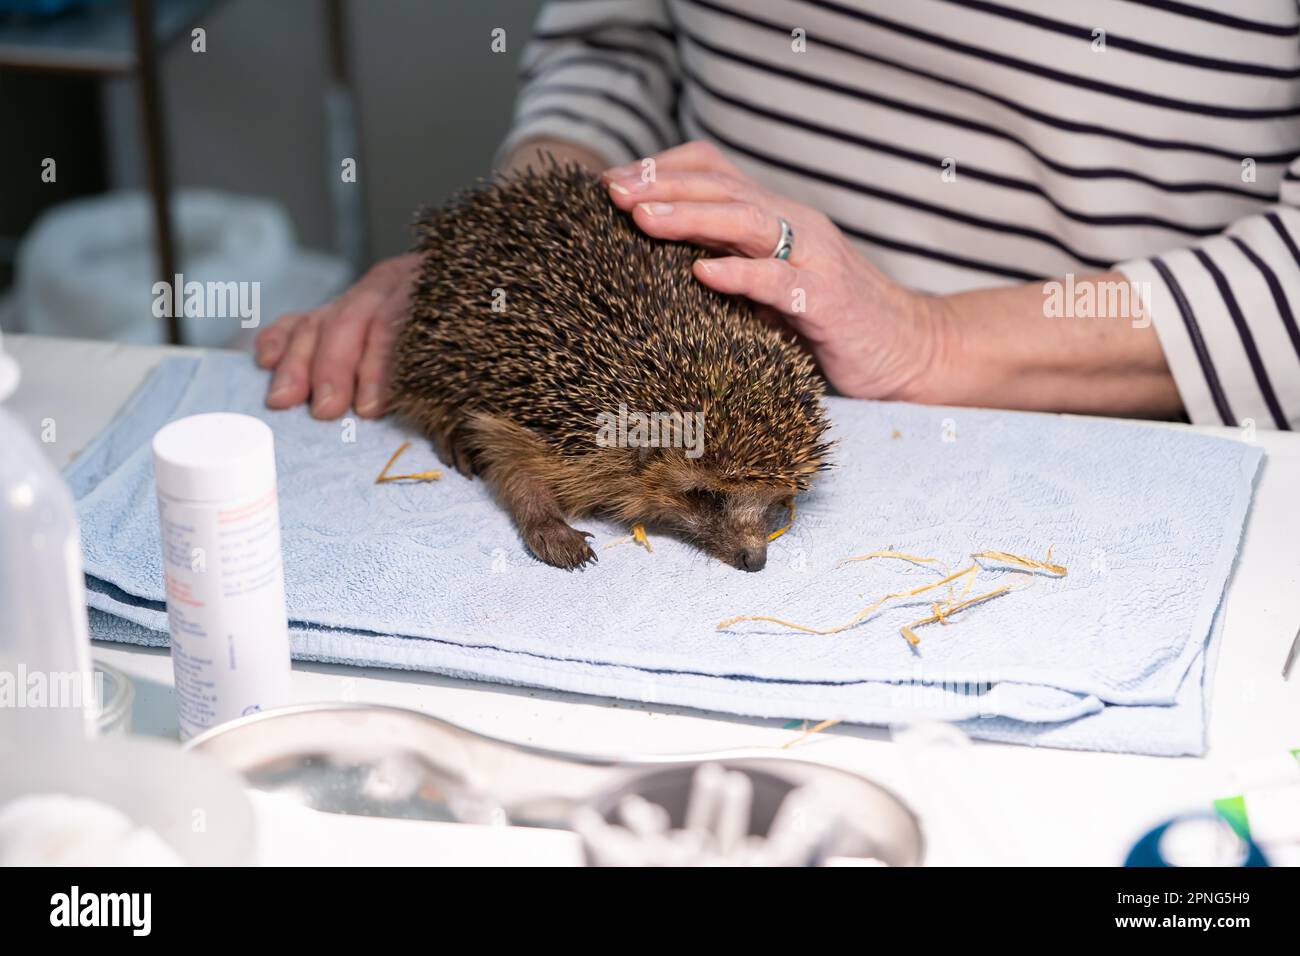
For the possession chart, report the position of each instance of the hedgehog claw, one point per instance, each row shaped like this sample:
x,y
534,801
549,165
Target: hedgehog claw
x,y
560,546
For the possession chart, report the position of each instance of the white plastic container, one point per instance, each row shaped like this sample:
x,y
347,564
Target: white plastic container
x,y
220,518
47,686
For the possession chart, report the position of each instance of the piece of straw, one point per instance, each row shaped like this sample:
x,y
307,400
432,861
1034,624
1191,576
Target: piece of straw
x,y
886,554
808,732
418,476
638,536
789,503
1028,564
942,610
857,619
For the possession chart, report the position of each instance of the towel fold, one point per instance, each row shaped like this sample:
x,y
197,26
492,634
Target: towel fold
x,y
1117,655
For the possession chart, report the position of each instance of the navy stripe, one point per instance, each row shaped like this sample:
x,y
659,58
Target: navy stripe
x,y
953,215
1114,41
965,169
584,120
1047,119
1215,16
1247,339
603,26
1275,287
548,65
655,126
924,252
1276,223
629,49
952,119
912,249
1198,342
1060,76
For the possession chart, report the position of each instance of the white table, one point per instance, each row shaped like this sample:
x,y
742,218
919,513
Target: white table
x,y
986,803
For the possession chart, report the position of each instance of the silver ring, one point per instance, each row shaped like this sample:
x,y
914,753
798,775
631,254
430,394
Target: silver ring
x,y
785,243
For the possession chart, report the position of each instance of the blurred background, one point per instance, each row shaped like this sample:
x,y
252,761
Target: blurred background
x,y
108,105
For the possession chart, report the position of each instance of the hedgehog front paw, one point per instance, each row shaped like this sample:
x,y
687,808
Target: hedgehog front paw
x,y
559,545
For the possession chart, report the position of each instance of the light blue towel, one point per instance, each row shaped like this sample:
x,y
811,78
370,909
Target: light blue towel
x,y
433,576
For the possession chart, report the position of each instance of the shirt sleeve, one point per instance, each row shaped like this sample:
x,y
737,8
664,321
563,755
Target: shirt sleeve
x,y
603,75
1225,311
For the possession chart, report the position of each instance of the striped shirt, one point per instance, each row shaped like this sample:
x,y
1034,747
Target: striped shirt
x,y
972,143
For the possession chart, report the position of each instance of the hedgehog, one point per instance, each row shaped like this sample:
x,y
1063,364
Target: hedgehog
x,y
578,367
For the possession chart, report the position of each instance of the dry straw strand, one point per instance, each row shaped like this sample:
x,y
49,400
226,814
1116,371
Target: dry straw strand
x,y
858,618
638,536
887,553
809,731
1028,564
941,610
384,476
789,503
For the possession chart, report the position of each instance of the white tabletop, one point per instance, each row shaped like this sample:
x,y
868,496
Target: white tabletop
x,y
984,803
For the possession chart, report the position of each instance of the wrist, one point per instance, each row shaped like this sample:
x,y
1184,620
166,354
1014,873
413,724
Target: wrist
x,y
936,338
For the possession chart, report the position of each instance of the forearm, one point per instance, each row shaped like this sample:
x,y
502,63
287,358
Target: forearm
x,y
1092,351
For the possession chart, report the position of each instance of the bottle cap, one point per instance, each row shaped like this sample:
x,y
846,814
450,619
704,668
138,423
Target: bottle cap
x,y
215,457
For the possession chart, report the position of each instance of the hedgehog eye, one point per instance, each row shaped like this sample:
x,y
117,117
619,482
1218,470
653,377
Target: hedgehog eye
x,y
704,497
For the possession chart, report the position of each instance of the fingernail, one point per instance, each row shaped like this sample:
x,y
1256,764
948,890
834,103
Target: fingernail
x,y
620,189
368,399
321,394
656,208
620,172
279,389
707,267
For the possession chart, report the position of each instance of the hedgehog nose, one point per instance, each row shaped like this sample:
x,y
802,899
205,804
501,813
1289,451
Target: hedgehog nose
x,y
751,559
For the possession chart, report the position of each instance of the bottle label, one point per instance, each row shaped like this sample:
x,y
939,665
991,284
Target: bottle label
x,y
225,608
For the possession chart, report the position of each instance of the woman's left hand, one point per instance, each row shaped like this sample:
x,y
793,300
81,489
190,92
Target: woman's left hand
x,y
872,337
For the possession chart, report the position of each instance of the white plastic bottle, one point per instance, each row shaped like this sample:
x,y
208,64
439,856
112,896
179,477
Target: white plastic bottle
x,y
47,683
220,518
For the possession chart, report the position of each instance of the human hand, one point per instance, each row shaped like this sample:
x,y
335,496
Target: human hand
x,y
872,337
340,352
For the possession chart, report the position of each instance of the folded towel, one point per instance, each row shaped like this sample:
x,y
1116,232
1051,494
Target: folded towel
x,y
433,576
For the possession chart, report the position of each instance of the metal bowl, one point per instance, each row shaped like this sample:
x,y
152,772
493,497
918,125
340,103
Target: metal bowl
x,y
379,761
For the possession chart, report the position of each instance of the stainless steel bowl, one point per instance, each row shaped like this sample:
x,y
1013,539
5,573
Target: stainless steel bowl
x,y
380,761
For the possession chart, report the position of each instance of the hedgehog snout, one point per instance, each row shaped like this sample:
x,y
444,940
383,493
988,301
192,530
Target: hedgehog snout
x,y
752,558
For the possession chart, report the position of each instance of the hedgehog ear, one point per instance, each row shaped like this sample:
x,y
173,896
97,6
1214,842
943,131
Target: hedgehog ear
x,y
641,456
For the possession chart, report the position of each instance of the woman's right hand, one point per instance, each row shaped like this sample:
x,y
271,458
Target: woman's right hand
x,y
339,355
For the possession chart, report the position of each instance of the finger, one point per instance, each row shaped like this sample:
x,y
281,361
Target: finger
x,y
372,376
680,187
772,282
740,227
698,155
290,384
270,342
338,353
